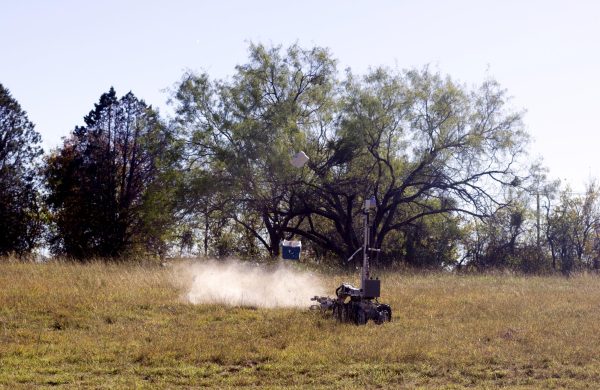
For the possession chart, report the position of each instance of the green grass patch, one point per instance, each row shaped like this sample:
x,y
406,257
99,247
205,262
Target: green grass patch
x,y
107,326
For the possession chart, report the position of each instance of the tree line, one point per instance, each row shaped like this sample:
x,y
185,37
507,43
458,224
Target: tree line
x,y
445,163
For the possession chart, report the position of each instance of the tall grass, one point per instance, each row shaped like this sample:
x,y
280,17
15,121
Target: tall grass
x,y
104,325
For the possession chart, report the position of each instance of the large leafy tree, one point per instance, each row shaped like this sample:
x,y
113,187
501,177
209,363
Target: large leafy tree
x,y
242,132
420,143
20,225
108,183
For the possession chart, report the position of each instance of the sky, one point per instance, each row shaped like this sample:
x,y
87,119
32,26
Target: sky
x,y
58,57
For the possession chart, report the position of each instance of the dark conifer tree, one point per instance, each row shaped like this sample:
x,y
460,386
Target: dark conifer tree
x,y
99,180
20,226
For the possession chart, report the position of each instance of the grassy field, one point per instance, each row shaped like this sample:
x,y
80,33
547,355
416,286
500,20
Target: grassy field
x,y
106,326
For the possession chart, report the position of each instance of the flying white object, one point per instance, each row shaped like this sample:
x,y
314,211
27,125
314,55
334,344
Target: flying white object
x,y
299,159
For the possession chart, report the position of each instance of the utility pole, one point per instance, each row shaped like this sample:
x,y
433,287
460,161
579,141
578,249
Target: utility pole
x,y
538,218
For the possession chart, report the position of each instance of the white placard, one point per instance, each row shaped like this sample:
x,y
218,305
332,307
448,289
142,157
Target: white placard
x,y
299,159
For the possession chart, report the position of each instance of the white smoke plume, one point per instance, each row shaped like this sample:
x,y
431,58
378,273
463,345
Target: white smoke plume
x,y
238,283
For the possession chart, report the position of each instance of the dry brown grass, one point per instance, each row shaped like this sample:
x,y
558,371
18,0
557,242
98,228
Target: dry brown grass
x,y
104,326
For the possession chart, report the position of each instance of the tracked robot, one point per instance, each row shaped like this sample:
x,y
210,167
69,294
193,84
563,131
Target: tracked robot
x,y
353,304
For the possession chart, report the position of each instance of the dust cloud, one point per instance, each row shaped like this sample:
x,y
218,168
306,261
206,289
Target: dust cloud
x,y
238,283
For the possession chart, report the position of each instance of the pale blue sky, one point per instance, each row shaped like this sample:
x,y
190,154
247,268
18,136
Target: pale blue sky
x,y
59,56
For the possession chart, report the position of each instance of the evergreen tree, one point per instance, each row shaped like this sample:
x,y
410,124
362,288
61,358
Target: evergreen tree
x,y
104,177
20,225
